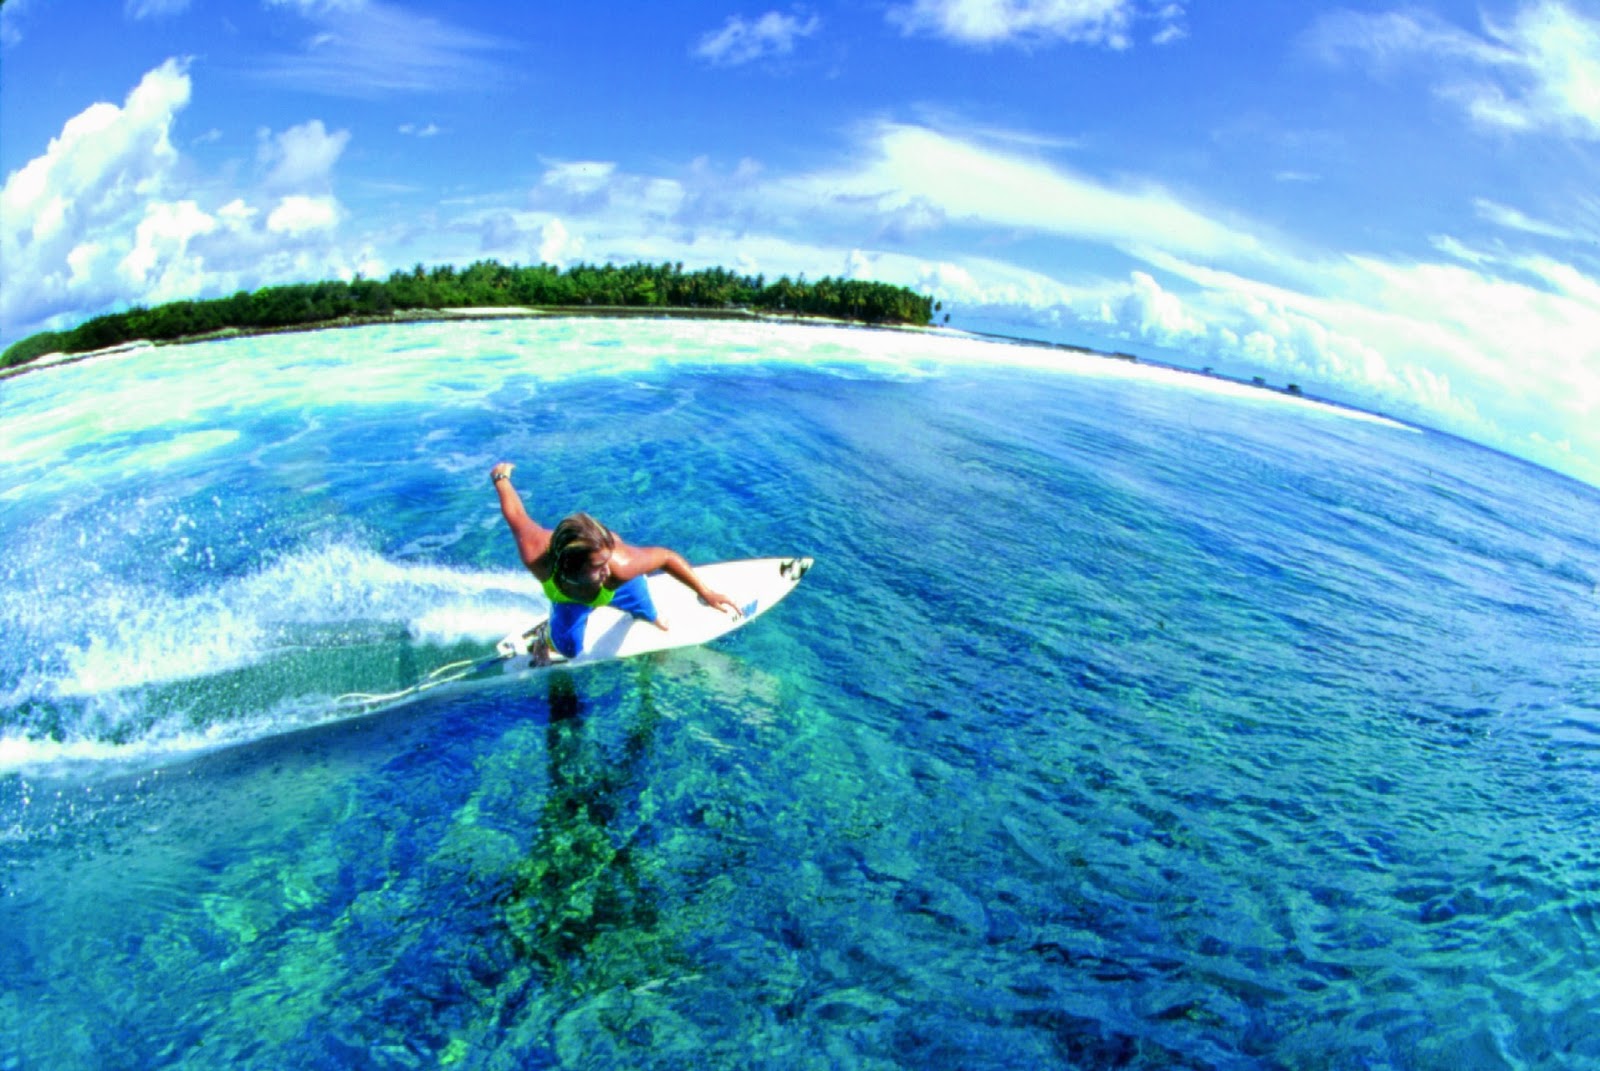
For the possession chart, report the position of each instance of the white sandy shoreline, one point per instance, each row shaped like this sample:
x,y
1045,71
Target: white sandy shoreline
x,y
1042,355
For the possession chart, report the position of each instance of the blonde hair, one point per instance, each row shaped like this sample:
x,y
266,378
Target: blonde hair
x,y
571,544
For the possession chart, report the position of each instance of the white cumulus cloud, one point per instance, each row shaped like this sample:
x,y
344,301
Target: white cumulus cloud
x,y
1157,314
236,214
104,155
591,186
298,214
94,180
110,214
303,156
161,243
859,265
557,246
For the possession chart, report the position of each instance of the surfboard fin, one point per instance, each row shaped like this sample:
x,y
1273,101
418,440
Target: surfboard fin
x,y
522,643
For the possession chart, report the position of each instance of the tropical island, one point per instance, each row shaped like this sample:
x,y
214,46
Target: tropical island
x,y
486,285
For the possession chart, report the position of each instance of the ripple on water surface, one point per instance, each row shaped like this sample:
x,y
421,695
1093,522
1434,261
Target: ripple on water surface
x,y
1123,721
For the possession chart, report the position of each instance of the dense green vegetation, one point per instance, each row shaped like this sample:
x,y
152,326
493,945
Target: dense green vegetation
x,y
484,284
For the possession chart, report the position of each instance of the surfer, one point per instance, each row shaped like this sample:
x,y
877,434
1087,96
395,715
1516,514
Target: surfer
x,y
582,564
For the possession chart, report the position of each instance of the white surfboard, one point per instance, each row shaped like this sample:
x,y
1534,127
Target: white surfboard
x,y
755,585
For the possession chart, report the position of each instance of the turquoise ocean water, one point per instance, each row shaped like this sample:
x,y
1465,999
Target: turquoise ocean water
x,y
1128,719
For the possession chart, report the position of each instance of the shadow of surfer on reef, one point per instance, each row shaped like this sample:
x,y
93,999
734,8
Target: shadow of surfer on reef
x,y
581,883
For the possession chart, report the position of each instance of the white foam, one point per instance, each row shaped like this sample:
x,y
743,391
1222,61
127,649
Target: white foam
x,y
127,637
458,624
20,754
136,641
105,400
173,450
163,743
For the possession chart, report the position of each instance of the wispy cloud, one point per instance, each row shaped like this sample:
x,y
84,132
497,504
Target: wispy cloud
x,y
12,17
1552,75
1387,39
149,9
742,41
1107,23
366,48
911,172
1515,219
1537,73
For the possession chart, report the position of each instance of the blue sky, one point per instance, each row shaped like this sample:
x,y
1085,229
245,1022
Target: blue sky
x,y
1388,203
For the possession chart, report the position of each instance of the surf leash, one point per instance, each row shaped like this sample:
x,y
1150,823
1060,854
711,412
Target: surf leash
x,y
507,649
446,674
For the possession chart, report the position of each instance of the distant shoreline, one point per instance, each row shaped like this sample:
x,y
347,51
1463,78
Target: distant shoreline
x,y
635,312
446,292
457,315
417,316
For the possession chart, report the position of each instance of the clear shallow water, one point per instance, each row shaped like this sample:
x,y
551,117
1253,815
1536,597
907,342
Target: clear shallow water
x,y
1125,721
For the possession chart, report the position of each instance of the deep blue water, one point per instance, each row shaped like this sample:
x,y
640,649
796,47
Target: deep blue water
x,y
1127,720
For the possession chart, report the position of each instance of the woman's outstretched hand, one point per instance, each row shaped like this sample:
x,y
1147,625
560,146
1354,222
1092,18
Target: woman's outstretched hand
x,y
720,602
